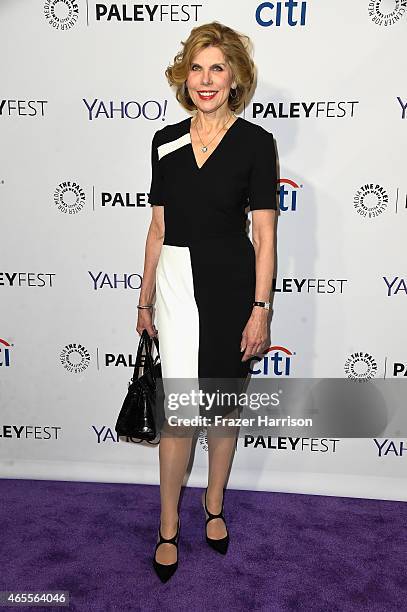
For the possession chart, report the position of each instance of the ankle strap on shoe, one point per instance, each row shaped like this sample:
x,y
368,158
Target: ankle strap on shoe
x,y
213,516
172,540
168,540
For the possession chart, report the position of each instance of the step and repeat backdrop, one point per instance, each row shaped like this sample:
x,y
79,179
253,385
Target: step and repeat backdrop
x,y
82,92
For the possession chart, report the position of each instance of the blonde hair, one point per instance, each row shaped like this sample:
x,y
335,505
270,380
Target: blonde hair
x,y
237,49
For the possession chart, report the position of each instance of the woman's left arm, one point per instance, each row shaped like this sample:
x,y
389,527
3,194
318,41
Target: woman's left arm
x,y
255,335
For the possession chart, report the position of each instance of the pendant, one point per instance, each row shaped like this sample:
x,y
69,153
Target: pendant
x,y
204,149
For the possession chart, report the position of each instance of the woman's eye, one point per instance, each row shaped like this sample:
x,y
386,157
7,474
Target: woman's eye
x,y
214,67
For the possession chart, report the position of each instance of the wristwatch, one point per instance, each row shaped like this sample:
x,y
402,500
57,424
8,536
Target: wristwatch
x,y
265,305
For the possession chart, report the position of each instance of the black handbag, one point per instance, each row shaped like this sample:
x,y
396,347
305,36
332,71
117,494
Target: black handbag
x,y
142,412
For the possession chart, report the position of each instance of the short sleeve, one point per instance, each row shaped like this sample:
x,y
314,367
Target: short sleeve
x,y
156,194
263,176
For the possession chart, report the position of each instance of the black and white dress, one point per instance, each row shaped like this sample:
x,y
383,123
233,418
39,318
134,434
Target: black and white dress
x,y
205,277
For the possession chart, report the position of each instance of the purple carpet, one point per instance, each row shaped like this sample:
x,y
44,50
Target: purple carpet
x,y
287,551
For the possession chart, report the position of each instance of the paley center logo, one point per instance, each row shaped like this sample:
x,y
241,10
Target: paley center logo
x,y
5,353
61,14
75,358
370,200
386,12
276,361
291,13
64,14
360,366
69,197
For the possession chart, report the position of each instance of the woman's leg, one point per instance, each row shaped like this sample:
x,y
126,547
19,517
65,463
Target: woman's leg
x,y
174,453
221,449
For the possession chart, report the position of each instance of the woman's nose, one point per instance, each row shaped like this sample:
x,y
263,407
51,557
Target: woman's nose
x,y
206,78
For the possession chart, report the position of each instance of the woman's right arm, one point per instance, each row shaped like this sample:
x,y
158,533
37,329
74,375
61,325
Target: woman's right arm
x,y
155,237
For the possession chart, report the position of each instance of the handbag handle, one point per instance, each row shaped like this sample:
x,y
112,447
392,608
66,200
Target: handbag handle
x,y
145,342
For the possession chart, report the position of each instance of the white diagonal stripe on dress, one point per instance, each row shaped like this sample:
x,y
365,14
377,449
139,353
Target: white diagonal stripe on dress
x,y
169,147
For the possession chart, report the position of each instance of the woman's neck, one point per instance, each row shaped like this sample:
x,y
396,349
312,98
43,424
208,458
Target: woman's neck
x,y
213,122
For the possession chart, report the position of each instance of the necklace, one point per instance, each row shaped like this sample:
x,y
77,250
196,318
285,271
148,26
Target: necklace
x,y
204,147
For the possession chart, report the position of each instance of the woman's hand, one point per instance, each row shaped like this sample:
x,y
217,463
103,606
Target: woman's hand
x,y
255,336
145,321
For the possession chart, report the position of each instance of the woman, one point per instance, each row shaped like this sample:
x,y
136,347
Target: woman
x,y
200,264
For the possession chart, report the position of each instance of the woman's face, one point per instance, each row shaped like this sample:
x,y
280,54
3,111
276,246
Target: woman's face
x,y
209,80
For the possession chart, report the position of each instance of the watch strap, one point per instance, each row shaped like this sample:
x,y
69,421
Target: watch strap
x,y
265,305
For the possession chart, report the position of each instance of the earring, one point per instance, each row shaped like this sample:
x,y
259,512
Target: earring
x,y
230,92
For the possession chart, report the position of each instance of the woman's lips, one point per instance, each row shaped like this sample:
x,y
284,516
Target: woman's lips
x,y
203,96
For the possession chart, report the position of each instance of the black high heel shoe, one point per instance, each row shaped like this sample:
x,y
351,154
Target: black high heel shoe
x,y
164,571
221,546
